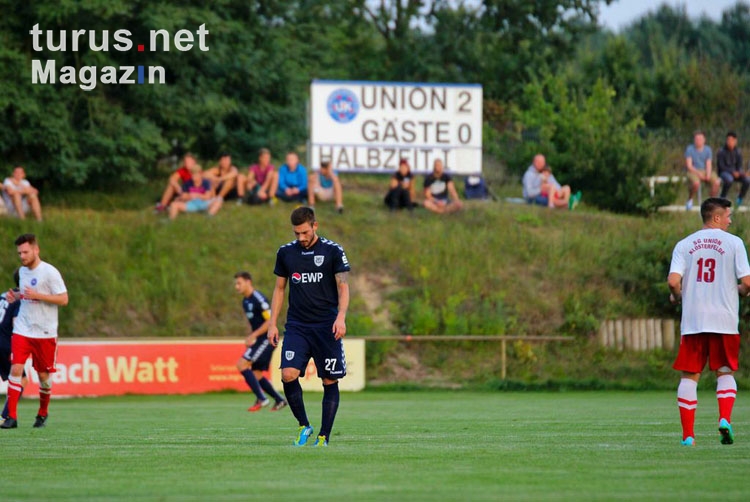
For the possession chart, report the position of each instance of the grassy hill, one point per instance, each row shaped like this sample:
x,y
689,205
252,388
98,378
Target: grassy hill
x,y
496,268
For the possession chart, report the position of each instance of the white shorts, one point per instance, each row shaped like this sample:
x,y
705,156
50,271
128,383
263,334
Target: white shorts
x,y
324,193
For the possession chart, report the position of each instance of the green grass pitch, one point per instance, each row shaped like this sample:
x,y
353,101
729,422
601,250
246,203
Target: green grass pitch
x,y
441,445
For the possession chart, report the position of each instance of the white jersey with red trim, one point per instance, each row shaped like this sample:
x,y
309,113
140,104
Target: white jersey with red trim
x,y
38,319
710,261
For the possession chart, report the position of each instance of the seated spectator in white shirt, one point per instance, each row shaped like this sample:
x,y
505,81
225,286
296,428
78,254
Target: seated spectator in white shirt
x,y
20,197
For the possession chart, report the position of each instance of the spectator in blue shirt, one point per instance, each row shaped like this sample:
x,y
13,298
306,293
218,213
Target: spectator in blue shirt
x,y
699,169
292,180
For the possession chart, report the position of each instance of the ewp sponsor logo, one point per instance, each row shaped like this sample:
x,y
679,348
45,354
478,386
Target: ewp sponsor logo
x,y
307,277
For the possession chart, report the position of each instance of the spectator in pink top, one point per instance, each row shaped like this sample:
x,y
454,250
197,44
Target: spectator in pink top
x,y
259,185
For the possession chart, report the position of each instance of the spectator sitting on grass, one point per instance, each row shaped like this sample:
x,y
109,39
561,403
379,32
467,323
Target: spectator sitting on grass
x,y
401,188
20,197
440,194
258,186
175,182
197,196
325,185
541,188
223,177
292,180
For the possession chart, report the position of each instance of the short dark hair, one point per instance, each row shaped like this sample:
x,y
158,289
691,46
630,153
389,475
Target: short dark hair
x,y
303,215
244,275
23,239
264,151
17,277
732,134
325,164
710,205
224,154
697,132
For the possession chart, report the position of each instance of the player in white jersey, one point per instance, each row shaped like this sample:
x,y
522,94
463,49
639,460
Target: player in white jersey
x,y
706,266
42,291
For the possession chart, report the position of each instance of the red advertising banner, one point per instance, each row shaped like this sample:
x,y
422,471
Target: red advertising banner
x,y
104,368
113,368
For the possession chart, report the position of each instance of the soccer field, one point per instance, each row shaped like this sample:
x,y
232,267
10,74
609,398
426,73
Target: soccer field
x,y
386,446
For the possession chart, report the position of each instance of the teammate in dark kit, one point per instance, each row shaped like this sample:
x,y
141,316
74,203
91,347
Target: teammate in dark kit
x,y
316,270
8,310
256,359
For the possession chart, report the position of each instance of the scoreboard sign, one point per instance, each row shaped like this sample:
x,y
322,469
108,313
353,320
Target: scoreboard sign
x,y
369,126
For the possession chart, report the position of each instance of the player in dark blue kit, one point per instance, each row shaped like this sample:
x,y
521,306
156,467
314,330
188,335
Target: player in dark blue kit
x,y
8,310
257,357
317,271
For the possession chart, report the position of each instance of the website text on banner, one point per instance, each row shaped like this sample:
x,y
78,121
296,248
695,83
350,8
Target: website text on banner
x,y
107,368
369,126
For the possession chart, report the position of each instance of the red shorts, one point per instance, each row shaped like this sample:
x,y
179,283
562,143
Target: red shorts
x,y
719,350
43,352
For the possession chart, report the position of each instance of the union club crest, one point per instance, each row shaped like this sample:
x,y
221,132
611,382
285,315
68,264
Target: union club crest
x,y
343,106
289,354
318,260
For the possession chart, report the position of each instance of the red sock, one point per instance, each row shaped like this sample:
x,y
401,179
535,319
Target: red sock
x,y
14,394
726,392
687,400
45,391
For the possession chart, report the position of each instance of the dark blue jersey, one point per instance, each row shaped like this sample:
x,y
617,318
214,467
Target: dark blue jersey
x,y
257,309
7,312
311,273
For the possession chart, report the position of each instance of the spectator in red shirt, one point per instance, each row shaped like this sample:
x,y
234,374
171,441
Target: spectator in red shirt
x,y
176,180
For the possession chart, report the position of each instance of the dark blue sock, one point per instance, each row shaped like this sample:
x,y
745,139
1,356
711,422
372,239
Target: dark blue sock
x,y
4,414
268,388
330,406
252,382
293,393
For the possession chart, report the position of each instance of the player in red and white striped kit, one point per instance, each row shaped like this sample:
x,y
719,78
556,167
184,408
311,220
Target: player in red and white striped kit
x,y
705,269
42,291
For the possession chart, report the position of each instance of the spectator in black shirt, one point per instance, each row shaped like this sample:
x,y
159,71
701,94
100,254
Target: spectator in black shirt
x,y
401,189
729,164
440,194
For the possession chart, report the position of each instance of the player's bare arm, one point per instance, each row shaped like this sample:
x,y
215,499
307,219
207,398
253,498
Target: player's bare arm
x,y
674,281
60,300
277,301
339,326
744,286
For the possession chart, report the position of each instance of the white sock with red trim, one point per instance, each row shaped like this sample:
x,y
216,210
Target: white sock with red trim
x,y
726,392
687,400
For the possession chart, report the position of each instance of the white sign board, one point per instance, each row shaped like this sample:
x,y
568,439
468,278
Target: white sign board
x,y
369,126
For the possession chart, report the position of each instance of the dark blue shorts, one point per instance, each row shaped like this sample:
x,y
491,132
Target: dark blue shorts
x,y
4,364
259,354
539,200
303,341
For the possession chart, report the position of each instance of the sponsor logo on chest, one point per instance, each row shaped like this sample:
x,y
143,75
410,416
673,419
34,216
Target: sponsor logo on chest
x,y
307,277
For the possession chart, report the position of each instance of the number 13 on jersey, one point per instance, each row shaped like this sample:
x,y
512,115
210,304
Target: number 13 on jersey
x,y
706,270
